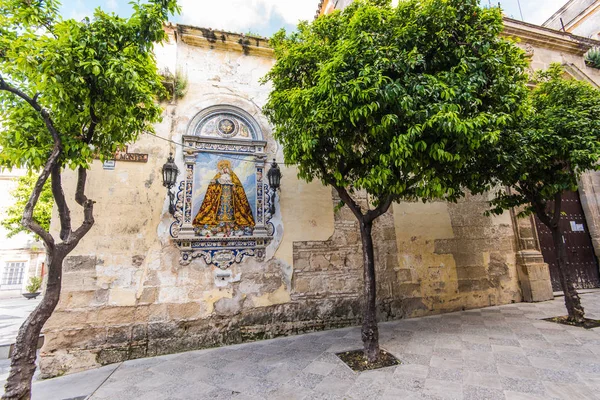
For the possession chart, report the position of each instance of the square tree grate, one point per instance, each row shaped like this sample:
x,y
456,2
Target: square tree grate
x,y
356,360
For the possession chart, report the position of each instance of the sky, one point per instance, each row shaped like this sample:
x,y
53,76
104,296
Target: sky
x,y
265,17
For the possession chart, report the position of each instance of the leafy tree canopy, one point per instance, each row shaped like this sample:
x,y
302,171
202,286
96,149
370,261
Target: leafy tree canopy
x,y
96,78
42,213
546,153
395,100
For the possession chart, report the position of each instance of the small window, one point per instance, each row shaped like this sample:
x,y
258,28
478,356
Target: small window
x,y
13,273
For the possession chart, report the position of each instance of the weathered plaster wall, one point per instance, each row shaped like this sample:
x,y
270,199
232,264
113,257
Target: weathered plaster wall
x,y
581,17
543,57
307,207
456,256
126,295
589,191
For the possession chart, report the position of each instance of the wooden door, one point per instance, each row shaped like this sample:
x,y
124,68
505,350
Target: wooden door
x,y
582,263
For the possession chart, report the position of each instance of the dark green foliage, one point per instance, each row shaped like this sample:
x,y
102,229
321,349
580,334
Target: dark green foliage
x,y
99,70
395,101
546,152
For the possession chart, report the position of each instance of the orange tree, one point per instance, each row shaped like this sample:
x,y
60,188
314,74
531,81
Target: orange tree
x,y
544,154
395,102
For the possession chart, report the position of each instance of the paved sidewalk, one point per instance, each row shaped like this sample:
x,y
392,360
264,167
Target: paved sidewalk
x,y
501,352
13,311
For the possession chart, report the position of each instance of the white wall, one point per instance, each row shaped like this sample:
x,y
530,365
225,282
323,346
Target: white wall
x,y
19,247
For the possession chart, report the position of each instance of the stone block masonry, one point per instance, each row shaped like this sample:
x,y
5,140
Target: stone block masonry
x,y
325,291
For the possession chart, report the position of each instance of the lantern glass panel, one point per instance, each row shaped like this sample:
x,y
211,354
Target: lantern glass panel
x,y
275,179
274,176
170,172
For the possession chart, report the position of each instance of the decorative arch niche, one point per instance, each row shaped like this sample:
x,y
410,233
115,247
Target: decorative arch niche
x,y
222,209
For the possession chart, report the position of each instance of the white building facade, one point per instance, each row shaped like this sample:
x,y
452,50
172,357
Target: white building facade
x,y
21,256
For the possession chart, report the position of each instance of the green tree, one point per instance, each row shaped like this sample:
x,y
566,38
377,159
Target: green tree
x,y
70,90
545,154
394,102
42,212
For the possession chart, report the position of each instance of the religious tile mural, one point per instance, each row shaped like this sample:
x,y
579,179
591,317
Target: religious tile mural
x,y
223,204
225,200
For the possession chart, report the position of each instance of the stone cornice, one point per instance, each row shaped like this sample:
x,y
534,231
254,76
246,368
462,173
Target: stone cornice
x,y
548,38
221,40
319,8
257,46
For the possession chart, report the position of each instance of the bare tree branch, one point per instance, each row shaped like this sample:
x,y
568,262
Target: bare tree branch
x,y
88,210
540,211
89,134
380,209
557,204
349,201
80,196
35,105
61,203
51,163
28,220
342,192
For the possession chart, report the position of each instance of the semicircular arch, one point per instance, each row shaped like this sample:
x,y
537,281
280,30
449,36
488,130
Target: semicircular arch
x,y
224,121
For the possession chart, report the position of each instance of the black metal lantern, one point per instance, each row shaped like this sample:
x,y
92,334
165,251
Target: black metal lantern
x,y
170,172
274,176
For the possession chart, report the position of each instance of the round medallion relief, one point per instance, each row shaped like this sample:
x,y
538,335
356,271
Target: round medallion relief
x,y
227,127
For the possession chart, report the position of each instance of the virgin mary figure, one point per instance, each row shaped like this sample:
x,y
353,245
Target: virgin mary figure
x,y
225,206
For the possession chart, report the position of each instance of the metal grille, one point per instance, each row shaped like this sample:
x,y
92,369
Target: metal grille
x,y
13,273
582,263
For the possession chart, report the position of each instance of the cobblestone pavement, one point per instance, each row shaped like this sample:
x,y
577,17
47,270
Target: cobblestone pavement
x,y
503,352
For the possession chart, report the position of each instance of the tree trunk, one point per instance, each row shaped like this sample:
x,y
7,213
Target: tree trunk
x,y
572,300
22,365
369,333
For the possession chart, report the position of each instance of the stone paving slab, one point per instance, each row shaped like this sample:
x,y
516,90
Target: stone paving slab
x,y
503,352
13,312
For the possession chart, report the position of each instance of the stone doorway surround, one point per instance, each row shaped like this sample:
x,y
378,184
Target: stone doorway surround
x,y
534,273
589,192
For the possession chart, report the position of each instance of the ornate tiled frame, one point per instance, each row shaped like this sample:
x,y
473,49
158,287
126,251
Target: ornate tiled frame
x,y
221,251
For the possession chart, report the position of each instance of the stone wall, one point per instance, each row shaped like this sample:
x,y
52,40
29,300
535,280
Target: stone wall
x,y
464,260
126,294
461,258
